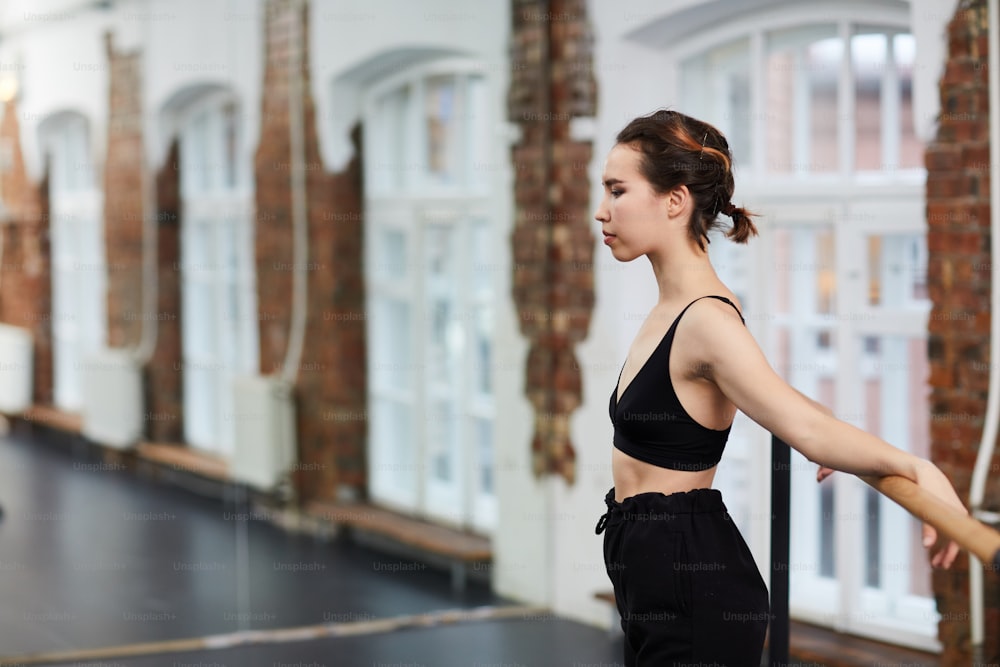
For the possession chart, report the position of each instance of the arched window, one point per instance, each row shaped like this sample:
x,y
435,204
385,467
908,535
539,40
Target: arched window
x,y
218,285
430,289
76,236
819,113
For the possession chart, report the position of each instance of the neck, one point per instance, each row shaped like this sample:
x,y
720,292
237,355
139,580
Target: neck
x,y
684,273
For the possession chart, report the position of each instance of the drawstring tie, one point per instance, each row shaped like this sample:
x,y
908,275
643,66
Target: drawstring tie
x,y
613,507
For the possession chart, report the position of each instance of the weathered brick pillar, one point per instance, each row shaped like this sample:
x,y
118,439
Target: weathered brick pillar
x,y
165,374
25,273
123,197
959,269
552,83
331,388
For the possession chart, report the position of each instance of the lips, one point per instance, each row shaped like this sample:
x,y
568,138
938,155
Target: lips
x,y
609,238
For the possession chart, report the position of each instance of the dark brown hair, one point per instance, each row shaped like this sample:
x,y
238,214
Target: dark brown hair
x,y
679,150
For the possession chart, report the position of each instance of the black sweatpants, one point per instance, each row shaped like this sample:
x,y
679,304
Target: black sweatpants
x,y
686,585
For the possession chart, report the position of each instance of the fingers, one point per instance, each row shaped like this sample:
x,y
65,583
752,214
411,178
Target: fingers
x,y
823,473
930,535
937,551
953,550
942,555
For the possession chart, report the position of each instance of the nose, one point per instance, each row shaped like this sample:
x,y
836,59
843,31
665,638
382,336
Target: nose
x,y
602,214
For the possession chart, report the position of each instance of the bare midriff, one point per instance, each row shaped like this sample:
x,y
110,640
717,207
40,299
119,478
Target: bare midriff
x,y
633,477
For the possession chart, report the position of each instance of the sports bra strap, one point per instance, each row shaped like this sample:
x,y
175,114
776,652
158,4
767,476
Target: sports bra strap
x,y
713,296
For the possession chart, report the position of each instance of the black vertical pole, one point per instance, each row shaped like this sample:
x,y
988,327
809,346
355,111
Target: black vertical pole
x,y
781,486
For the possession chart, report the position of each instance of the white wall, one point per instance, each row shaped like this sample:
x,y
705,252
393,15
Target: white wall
x,y
58,51
929,21
188,44
354,45
58,59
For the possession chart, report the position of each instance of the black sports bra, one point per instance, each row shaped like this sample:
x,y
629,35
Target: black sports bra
x,y
651,424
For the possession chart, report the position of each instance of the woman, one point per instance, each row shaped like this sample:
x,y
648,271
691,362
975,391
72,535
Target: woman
x,y
686,585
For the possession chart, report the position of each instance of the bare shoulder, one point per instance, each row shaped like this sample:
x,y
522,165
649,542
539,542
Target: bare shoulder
x,y
705,316
727,355
707,324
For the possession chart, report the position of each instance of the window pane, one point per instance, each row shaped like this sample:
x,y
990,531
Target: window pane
x,y
392,254
484,439
229,277
442,427
911,149
201,404
441,107
444,329
823,60
484,265
389,150
804,271
868,61
897,271
198,265
394,464
198,164
804,354
802,67
230,145
477,138
482,362
393,363
717,89
896,408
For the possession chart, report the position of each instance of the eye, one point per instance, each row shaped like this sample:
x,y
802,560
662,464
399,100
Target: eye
x,y
616,193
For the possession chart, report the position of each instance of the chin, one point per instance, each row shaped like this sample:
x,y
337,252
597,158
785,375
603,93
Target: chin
x,y
623,254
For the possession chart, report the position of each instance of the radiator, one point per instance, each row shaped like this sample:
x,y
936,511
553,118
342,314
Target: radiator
x,y
112,398
264,416
16,369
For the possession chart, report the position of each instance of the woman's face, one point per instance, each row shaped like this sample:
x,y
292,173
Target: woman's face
x,y
633,217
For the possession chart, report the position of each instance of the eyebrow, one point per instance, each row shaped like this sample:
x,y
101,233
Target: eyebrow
x,y
608,182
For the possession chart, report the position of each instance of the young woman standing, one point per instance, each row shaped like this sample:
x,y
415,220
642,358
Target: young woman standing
x,y
685,583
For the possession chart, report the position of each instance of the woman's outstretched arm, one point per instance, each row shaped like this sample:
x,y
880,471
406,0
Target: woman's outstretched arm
x,y
731,358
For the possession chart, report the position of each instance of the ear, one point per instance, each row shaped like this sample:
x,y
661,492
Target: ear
x,y
679,201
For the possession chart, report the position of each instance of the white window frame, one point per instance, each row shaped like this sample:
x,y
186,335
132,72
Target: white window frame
x,y
404,480
889,202
79,268
217,228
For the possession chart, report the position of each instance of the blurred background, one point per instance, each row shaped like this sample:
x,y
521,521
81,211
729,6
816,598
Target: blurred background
x,y
341,258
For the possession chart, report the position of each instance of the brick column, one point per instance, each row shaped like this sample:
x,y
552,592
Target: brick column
x,y
123,197
552,82
165,374
331,387
959,268
25,274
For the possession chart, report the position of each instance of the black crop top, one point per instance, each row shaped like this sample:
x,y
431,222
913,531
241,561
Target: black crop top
x,y
650,423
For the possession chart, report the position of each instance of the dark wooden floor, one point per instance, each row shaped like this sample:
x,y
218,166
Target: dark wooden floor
x,y
812,645
93,556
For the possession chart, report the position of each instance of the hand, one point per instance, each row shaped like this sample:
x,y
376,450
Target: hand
x,y
823,473
931,479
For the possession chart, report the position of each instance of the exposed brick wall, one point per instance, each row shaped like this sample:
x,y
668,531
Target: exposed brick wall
x,y
25,274
165,375
553,280
959,268
330,389
334,397
123,197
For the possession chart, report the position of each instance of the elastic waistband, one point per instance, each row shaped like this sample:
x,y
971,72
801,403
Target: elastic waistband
x,y
654,503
